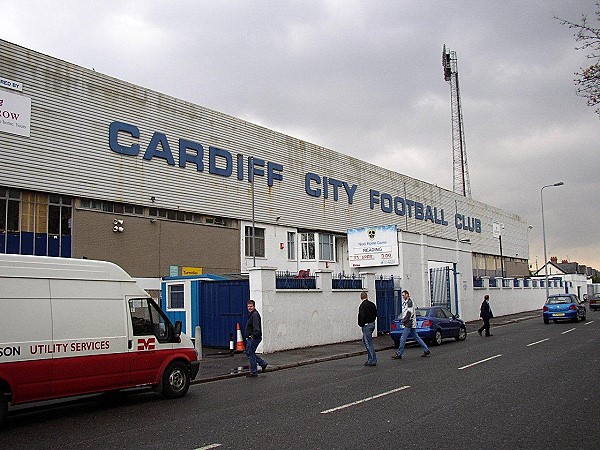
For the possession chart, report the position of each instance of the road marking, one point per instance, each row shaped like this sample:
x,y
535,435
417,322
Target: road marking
x,y
568,331
538,342
347,405
207,447
587,323
479,362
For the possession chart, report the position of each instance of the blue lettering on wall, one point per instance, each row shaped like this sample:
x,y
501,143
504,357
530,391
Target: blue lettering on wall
x,y
220,161
196,158
153,152
124,139
113,138
312,180
401,206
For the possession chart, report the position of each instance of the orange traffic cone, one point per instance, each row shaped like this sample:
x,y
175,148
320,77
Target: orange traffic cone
x,y
239,345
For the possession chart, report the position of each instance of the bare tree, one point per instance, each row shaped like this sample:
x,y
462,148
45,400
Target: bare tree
x,y
588,78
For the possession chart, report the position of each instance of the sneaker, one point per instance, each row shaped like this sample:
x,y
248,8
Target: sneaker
x,y
488,335
264,367
396,356
425,353
370,364
251,375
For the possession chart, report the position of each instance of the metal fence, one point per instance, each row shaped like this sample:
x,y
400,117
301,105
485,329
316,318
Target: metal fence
x,y
290,280
343,281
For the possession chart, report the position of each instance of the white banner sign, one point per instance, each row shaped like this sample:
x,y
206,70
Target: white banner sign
x,y
15,113
373,246
10,84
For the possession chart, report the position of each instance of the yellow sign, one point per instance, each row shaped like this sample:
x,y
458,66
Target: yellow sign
x,y
191,271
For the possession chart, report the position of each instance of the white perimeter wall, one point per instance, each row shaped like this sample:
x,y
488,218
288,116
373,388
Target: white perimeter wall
x,y
300,318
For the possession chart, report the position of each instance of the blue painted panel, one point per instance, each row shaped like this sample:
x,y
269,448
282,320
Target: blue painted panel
x,y
178,315
41,244
27,243
2,242
195,307
222,307
12,243
384,299
65,246
53,245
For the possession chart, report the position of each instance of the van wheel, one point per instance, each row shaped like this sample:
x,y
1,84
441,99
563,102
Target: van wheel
x,y
176,380
3,407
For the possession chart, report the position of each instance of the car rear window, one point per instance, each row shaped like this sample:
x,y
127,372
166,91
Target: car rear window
x,y
422,312
558,300
595,296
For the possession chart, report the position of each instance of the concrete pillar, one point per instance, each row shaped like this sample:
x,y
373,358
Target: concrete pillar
x,y
262,290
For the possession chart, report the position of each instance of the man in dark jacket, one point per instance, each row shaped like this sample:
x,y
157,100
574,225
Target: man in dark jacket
x,y
367,314
253,333
486,314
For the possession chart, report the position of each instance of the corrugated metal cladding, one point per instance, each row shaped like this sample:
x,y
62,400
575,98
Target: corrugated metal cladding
x,y
69,153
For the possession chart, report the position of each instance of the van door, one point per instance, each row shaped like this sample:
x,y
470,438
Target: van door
x,y
149,344
25,338
90,342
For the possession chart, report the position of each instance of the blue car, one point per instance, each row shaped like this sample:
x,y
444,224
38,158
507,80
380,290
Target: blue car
x,y
563,307
433,324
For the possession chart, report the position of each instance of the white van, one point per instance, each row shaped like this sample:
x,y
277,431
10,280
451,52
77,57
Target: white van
x,y
72,327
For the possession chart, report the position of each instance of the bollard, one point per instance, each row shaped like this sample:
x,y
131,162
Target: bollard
x,y
198,343
231,344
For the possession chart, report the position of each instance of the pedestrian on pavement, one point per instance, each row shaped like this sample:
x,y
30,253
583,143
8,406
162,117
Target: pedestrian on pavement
x,y
253,334
486,314
367,314
409,322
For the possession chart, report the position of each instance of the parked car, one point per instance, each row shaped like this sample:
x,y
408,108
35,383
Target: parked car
x,y
433,324
594,301
563,307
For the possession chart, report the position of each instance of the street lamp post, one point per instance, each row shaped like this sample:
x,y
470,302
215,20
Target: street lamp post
x,y
560,183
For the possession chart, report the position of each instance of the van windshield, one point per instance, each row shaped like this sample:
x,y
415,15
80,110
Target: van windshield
x,y
147,320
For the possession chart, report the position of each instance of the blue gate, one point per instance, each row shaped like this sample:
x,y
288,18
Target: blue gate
x,y
222,305
385,298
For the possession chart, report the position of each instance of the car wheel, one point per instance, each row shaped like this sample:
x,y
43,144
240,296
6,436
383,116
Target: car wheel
x,y
546,321
176,380
575,319
3,407
437,339
396,343
462,334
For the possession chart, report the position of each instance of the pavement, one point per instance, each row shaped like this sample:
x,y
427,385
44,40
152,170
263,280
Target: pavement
x,y
219,364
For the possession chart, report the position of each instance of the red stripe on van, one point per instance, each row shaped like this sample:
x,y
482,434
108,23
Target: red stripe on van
x,y
62,377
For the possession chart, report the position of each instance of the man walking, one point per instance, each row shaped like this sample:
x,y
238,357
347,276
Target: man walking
x,y
367,314
253,333
409,322
486,314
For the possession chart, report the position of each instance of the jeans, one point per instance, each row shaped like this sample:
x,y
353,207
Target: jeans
x,y
368,341
251,344
405,332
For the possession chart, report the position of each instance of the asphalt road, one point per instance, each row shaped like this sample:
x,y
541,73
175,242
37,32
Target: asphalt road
x,y
529,386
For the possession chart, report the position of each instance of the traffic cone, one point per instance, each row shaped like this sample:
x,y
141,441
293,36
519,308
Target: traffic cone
x,y
239,345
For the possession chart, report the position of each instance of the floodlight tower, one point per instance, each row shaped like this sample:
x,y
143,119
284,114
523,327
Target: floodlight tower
x,y
460,171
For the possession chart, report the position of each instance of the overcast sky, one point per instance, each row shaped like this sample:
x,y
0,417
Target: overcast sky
x,y
364,78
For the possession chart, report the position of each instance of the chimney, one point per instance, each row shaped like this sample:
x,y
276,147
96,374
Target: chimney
x,y
553,259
